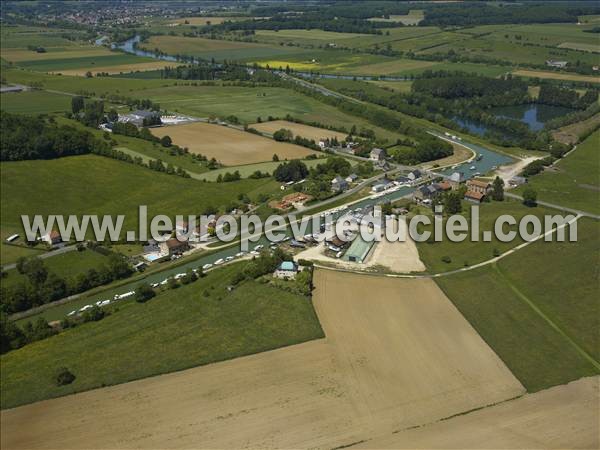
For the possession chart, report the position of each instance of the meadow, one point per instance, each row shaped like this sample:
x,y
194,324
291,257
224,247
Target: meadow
x,y
249,103
91,184
248,169
502,303
574,181
193,325
65,265
34,102
469,252
413,17
566,76
298,129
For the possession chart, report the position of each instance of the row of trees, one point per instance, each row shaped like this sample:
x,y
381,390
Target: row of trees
x,y
41,286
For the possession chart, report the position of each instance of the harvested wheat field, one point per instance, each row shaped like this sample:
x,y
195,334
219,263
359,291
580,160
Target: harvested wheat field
x,y
229,146
397,359
116,69
565,416
298,129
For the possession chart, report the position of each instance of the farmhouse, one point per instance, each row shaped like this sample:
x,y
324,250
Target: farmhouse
x,y
445,186
414,176
377,154
174,246
351,178
52,237
296,200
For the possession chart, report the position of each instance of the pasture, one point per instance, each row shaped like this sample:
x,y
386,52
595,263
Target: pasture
x,y
361,390
248,169
35,102
298,129
229,146
91,184
204,20
176,330
574,180
249,103
470,252
65,265
555,278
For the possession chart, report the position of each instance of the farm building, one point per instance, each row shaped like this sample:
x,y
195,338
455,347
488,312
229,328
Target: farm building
x,y
287,270
456,179
414,176
296,200
351,178
138,117
428,192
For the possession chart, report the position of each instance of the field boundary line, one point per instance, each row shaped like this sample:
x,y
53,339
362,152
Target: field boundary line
x,y
548,320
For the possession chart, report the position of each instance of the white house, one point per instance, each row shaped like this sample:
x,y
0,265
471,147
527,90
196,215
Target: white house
x,y
377,154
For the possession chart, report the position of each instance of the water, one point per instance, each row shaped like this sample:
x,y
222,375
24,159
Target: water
x,y
128,46
533,115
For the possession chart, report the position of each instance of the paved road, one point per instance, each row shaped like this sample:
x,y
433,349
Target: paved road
x,y
50,254
555,206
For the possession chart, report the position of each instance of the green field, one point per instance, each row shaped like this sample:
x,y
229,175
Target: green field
x,y
469,252
248,103
65,265
10,253
575,182
91,184
194,325
212,48
34,102
249,169
558,279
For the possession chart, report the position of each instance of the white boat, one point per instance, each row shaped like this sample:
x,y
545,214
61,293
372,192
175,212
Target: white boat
x,y
155,285
163,282
105,302
254,253
71,313
219,261
206,266
229,258
259,247
179,275
240,254
472,168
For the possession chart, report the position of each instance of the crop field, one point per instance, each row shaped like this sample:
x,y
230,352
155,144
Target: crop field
x,y
299,129
556,278
99,86
20,36
307,37
556,75
184,327
229,146
205,20
571,134
360,390
561,417
34,102
574,182
247,104
91,63
212,48
25,57
61,184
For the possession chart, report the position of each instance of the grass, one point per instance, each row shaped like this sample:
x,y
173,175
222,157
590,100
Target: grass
x,y
566,76
91,184
212,48
248,169
65,265
557,279
11,253
249,103
174,331
470,252
575,183
34,102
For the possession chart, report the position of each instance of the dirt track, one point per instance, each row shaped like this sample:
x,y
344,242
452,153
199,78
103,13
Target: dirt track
x,y
397,354
229,146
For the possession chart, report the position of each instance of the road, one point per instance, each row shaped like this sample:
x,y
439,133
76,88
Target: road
x,y
555,206
50,254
